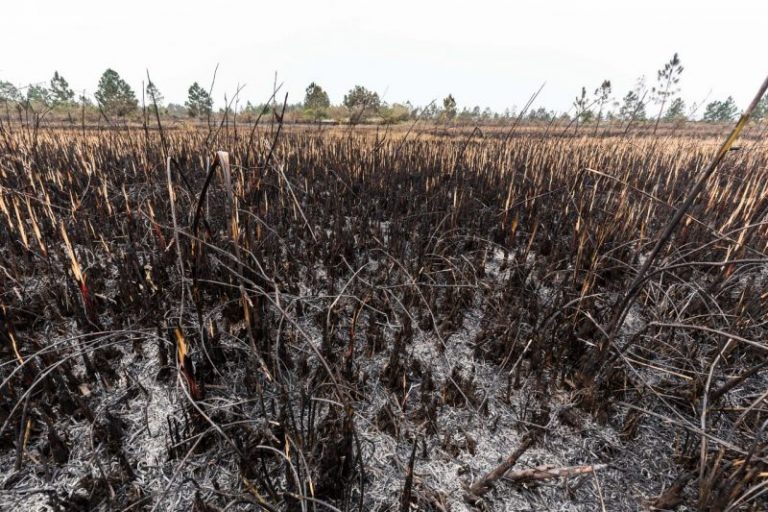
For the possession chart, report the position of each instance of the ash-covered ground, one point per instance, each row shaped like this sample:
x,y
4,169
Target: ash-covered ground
x,y
149,446
336,322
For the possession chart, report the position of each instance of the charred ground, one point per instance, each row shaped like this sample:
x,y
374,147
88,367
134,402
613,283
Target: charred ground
x,y
351,320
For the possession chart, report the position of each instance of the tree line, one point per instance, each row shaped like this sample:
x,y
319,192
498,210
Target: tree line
x,y
114,97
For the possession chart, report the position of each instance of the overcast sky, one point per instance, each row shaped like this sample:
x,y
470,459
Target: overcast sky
x,y
487,53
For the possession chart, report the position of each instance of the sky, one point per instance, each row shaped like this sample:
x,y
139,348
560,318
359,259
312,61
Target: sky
x,y
488,53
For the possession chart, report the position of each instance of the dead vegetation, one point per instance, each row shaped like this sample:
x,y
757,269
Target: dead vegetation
x,y
354,320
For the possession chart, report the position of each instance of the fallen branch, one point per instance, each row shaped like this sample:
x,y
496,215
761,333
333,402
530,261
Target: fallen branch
x,y
485,484
547,472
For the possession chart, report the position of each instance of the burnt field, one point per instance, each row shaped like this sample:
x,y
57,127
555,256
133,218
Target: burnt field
x,y
285,319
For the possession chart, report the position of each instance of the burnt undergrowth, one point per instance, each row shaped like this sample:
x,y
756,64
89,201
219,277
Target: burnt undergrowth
x,y
343,321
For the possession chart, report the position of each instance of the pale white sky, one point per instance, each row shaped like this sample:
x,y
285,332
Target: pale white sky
x,y
487,53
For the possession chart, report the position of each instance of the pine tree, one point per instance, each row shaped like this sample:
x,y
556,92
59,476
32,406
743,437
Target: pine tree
x,y
316,98
761,110
38,95
676,111
316,101
153,95
115,95
360,100
721,111
581,105
199,102
667,78
449,106
61,94
9,92
602,96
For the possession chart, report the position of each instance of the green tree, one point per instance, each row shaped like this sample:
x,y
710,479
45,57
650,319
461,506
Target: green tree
x,y
114,95
676,111
359,96
633,104
199,102
582,107
154,95
176,110
396,113
316,98
316,101
431,111
539,114
721,111
60,93
630,106
449,106
602,96
38,95
729,111
253,111
360,100
9,92
760,112
667,78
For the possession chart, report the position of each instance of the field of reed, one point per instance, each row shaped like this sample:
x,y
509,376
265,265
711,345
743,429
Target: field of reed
x,y
275,318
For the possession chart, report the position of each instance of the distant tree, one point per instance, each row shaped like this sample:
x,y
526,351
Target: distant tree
x,y
721,111
582,106
729,110
154,96
253,111
676,111
176,110
449,107
9,92
250,111
602,96
629,106
84,100
60,93
360,96
38,94
316,98
540,114
667,79
431,111
760,112
115,95
360,100
316,101
396,113
712,112
198,102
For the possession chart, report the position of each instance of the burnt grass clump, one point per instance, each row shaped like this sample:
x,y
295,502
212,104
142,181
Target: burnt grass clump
x,y
277,318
